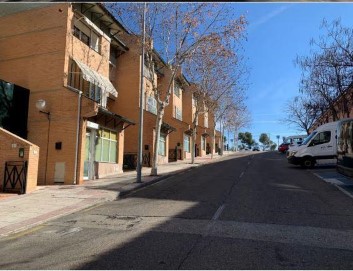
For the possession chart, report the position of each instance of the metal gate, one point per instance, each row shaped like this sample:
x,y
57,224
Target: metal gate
x,y
172,155
15,177
130,160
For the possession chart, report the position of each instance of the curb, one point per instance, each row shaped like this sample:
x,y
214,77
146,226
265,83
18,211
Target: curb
x,y
90,202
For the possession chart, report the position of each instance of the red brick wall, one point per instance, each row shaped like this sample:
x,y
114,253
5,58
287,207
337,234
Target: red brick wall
x,y
9,151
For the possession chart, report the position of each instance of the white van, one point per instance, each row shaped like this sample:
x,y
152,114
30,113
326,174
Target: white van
x,y
294,140
320,144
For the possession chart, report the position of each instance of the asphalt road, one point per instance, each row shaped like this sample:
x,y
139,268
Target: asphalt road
x,y
252,212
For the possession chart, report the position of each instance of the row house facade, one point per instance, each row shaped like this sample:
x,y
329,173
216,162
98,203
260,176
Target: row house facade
x,y
343,109
77,71
61,55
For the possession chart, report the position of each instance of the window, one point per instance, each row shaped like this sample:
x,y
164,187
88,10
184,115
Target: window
x,y
106,147
95,92
95,41
81,36
146,68
152,105
178,113
89,89
206,120
186,143
193,101
86,35
176,89
203,143
321,138
161,145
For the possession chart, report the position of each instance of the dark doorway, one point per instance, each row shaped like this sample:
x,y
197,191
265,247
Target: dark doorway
x,y
14,108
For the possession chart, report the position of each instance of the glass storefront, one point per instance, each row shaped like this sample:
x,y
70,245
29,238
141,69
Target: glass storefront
x,y
14,108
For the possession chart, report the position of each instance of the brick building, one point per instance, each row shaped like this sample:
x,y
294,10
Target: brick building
x,y
64,60
77,71
343,106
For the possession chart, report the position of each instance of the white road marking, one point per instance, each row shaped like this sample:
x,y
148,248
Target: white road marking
x,y
344,191
241,175
218,212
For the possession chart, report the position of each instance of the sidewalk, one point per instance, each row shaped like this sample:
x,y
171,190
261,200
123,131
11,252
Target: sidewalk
x,y
20,212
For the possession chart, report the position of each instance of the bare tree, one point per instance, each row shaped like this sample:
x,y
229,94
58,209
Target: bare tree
x,y
327,72
236,116
217,75
177,31
300,114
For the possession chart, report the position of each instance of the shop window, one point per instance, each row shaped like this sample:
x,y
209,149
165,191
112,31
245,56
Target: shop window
x,y
186,143
203,143
106,147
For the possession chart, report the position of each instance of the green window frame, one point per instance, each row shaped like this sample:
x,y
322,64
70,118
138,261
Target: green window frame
x,y
161,145
186,143
106,147
203,143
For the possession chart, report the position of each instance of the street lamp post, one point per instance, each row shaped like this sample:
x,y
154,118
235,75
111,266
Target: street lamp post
x,y
41,106
140,137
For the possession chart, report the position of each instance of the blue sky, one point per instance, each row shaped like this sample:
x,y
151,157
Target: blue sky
x,y
277,33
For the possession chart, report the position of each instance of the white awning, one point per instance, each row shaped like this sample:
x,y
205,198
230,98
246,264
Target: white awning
x,y
95,78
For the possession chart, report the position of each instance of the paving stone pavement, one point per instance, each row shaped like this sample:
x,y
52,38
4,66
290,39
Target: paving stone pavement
x,y
20,212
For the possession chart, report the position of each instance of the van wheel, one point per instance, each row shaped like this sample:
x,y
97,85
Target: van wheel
x,y
308,162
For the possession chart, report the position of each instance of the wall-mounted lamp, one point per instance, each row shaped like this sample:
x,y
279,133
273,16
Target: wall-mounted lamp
x,y
41,105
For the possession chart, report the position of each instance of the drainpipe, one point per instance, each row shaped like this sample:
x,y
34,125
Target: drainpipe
x,y
77,135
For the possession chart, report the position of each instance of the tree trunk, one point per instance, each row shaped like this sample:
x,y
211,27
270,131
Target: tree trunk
x,y
193,141
154,170
213,138
222,139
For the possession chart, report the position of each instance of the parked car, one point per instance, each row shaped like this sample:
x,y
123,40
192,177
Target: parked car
x,y
283,148
294,140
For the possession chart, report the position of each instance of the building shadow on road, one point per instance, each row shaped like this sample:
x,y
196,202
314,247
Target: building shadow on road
x,y
182,211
